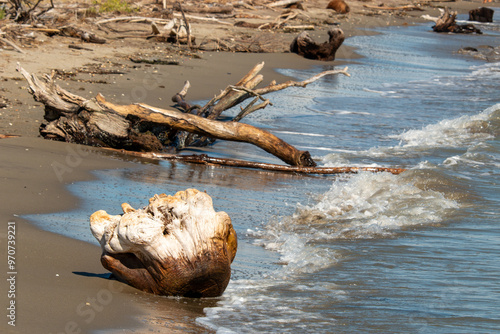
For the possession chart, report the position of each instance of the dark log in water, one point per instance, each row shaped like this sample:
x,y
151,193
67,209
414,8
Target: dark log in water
x,y
482,14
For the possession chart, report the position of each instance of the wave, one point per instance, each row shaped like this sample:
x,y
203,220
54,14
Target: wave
x,y
364,206
456,132
485,71
372,205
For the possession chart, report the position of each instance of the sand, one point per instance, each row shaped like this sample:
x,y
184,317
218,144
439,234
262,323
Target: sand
x,y
60,285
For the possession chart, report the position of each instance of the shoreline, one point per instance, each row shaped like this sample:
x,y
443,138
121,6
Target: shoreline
x,y
57,275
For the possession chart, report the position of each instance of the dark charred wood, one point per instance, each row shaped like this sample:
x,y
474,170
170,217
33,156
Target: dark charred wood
x,y
482,14
78,47
340,6
305,46
138,60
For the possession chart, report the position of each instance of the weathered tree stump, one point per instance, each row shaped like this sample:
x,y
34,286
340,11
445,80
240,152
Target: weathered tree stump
x,y
305,46
139,127
482,14
176,246
340,6
446,23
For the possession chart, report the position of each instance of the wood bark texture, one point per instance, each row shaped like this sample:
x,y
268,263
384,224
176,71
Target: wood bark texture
x,y
176,246
305,46
447,23
203,159
71,31
483,14
140,127
340,6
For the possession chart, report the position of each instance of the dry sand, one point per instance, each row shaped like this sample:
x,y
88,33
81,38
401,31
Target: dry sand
x,y
60,285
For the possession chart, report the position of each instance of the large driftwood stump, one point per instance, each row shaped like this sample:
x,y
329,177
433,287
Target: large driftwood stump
x,y
176,246
447,23
305,46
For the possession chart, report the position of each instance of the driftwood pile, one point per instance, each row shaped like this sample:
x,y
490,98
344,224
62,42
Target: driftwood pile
x,y
140,127
172,24
27,11
148,131
447,23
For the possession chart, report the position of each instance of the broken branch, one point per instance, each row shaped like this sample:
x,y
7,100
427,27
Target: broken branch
x,y
203,159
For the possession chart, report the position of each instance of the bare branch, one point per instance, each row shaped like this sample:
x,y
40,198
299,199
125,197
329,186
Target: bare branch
x,y
274,88
206,160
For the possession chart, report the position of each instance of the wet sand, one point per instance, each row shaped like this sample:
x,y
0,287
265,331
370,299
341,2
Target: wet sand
x,y
60,285
56,276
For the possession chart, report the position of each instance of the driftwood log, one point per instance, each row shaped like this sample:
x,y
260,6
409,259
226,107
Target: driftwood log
x,y
447,23
139,127
305,46
176,246
89,37
483,14
203,159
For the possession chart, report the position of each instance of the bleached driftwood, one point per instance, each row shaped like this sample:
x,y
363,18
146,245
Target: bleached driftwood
x,y
447,23
133,18
158,20
220,9
176,246
12,44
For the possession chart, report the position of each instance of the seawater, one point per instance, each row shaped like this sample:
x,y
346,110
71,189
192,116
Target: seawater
x,y
417,252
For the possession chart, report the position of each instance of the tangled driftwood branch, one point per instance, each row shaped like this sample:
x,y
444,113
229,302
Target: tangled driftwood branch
x,y
101,123
447,23
23,10
139,127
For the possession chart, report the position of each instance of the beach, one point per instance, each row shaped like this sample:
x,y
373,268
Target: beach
x,y
58,282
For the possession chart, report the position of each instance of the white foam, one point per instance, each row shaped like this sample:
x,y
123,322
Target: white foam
x,y
297,256
485,71
456,132
371,205
335,160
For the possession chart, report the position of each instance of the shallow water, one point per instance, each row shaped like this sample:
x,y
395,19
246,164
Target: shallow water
x,y
413,253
